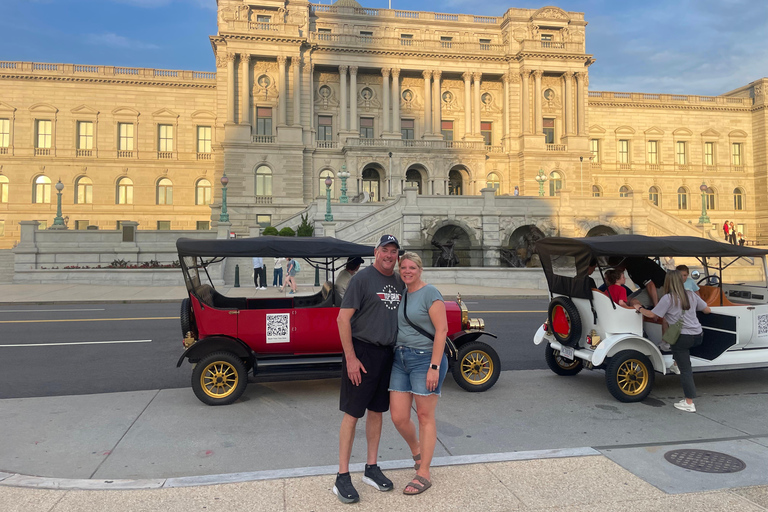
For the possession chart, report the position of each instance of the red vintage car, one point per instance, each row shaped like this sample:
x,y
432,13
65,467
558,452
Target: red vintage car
x,y
226,337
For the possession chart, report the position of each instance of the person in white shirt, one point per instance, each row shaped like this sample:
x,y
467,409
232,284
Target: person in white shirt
x,y
277,279
342,280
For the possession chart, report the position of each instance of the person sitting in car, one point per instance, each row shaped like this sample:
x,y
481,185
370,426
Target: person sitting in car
x,y
615,280
649,276
342,280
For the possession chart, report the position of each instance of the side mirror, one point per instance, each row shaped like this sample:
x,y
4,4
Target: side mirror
x,y
696,274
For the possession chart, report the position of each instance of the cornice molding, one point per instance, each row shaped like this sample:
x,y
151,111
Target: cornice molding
x,y
150,83
709,108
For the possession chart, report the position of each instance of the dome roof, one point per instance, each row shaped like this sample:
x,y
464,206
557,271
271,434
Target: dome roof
x,y
347,3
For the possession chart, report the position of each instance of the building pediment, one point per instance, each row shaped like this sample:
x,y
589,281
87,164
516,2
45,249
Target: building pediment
x,y
738,133
625,130
551,13
682,132
203,114
43,107
84,109
165,112
654,132
125,111
709,132
5,107
596,129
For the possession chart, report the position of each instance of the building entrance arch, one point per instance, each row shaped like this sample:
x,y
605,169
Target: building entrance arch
x,y
414,177
451,247
371,182
601,230
519,251
458,178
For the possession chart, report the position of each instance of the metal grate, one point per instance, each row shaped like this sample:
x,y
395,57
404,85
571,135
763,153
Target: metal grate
x,y
705,461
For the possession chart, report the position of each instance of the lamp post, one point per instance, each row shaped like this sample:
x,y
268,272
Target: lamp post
x,y
344,174
328,214
541,178
581,176
703,219
224,217
58,221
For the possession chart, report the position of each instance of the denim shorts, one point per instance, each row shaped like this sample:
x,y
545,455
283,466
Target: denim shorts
x,y
409,371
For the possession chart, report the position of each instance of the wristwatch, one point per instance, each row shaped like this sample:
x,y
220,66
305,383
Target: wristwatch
x,y
434,366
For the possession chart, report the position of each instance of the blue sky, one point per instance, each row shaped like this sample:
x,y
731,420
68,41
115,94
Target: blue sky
x,y
703,47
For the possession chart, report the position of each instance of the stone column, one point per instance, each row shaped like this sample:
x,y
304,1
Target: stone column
x,y
580,113
296,67
427,102
568,77
467,76
437,101
282,100
343,99
538,120
525,77
385,101
230,87
245,93
395,101
311,82
353,99
506,78
476,125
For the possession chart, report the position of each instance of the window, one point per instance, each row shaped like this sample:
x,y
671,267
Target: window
x,y
546,38
366,37
446,127
594,148
736,153
493,181
653,152
42,190
81,225
596,191
264,220
323,175
366,127
263,181
549,130
165,138
164,191
203,192
2,228
163,225
125,136
485,44
555,183
455,183
625,191
445,41
406,39
124,191
84,135
709,153
680,152
324,34
203,139
653,195
44,131
709,195
261,18
84,190
486,130
623,151
413,179
324,128
5,133
203,225
406,128
264,121
3,189
738,199
682,198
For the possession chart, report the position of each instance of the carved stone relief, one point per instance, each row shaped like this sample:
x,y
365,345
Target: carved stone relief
x,y
367,98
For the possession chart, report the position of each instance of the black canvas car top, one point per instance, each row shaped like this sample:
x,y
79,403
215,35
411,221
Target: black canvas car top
x,y
274,246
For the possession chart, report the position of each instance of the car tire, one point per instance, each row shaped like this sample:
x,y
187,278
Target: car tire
x,y
564,321
477,366
560,365
186,316
629,376
219,378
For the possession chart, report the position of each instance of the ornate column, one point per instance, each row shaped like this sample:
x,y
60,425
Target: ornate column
x,y
436,101
580,112
245,93
476,125
385,101
296,67
395,100
311,82
353,99
282,100
467,76
343,99
506,78
538,120
525,77
568,77
427,102
230,57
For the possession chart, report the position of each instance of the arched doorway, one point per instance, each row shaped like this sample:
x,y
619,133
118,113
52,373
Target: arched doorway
x,y
451,243
457,181
519,251
372,183
601,231
413,178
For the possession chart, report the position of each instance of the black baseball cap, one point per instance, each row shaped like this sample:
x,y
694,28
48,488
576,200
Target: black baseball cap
x,y
355,260
388,239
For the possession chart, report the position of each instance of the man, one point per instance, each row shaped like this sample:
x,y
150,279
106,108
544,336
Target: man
x,y
725,230
368,331
342,280
259,273
646,274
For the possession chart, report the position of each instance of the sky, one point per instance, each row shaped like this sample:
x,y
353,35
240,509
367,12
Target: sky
x,y
704,47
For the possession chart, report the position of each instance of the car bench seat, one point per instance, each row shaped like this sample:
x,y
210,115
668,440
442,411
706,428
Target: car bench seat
x,y
711,295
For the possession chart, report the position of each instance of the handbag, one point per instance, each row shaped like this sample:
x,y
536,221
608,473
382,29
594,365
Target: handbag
x,y
673,332
450,348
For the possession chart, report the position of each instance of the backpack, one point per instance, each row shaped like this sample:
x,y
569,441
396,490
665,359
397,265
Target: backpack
x,y
296,266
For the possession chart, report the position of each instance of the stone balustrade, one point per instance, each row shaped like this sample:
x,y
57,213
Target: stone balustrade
x,y
414,143
363,41
395,13
551,46
597,97
80,70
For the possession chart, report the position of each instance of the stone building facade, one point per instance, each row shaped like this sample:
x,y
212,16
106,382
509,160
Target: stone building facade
x,y
451,104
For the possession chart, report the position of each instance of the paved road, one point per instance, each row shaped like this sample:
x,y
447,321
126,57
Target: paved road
x,y
100,348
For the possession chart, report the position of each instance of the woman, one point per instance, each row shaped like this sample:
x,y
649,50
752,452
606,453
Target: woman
x,y
277,273
678,302
290,279
419,368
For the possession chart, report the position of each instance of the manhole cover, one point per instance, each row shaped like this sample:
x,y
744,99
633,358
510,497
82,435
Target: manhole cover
x,y
705,461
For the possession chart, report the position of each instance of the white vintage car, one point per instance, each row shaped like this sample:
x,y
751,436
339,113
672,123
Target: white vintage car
x,y
585,328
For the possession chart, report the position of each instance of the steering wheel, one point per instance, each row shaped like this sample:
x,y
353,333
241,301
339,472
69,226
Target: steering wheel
x,y
712,280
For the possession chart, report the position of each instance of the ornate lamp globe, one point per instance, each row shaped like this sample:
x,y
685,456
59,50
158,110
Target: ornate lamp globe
x,y
328,181
703,188
224,180
344,173
59,186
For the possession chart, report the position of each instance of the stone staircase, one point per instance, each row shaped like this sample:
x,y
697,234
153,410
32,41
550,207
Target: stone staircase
x,y
661,223
6,266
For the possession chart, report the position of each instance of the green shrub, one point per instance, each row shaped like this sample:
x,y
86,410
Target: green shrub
x,y
270,231
305,228
287,232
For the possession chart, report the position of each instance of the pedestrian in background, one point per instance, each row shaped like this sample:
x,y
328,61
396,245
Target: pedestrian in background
x,y
732,233
290,279
277,274
259,273
725,230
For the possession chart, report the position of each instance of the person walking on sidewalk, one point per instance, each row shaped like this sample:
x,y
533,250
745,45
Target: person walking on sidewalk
x,y
368,330
259,273
419,368
290,279
277,274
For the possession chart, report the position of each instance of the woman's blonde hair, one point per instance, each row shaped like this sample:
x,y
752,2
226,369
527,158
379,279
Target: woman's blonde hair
x,y
674,285
413,257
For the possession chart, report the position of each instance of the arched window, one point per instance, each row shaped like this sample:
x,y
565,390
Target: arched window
x,y
653,195
84,190
164,191
413,178
371,183
124,191
203,192
263,181
455,183
597,191
682,198
710,196
555,183
625,191
323,175
3,189
42,190
493,181
738,199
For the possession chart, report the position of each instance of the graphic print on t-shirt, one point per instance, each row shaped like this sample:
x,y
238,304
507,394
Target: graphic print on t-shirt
x,y
390,297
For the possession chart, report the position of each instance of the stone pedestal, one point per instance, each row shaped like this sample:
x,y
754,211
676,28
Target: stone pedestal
x,y
329,229
222,230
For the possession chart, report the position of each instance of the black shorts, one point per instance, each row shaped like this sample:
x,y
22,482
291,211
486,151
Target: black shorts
x,y
373,391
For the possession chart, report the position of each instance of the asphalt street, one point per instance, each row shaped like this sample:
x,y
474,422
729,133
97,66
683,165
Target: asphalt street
x,y
57,350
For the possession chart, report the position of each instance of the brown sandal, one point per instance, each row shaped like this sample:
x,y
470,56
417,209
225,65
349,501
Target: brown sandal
x,y
416,459
421,485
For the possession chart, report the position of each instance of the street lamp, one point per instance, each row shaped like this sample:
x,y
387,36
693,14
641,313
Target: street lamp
x,y
703,219
541,178
58,221
344,174
581,176
224,217
328,214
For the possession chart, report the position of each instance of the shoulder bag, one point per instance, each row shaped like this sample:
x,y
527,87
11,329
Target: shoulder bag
x,y
450,348
673,331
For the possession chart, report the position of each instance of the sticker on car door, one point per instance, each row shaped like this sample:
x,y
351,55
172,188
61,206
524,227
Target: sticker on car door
x,y
278,328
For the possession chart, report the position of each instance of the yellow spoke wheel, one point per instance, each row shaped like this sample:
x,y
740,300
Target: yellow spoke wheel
x,y
629,376
476,367
219,378
632,377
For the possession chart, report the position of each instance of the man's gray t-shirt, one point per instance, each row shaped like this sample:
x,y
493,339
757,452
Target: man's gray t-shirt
x,y
375,298
419,303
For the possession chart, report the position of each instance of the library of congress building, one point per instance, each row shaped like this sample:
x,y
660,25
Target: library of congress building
x,y
450,104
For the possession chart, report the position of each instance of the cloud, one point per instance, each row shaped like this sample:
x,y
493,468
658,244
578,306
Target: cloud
x,y
117,41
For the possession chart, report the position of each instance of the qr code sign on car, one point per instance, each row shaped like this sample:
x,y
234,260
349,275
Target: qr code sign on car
x,y
279,328
762,326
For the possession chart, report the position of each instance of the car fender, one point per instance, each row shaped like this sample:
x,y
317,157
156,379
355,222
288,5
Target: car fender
x,y
462,337
616,343
540,336
214,344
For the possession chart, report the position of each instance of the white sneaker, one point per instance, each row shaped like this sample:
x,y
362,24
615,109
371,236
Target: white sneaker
x,y
685,406
665,346
674,369
263,288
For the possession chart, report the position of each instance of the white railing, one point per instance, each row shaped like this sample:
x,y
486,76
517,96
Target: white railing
x,y
433,144
264,139
165,72
8,65
625,167
206,75
326,144
407,14
78,68
204,156
3,151
653,167
42,152
127,71
38,66
738,168
494,149
263,199
83,152
124,153
556,147
165,155
446,17
355,40
672,98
